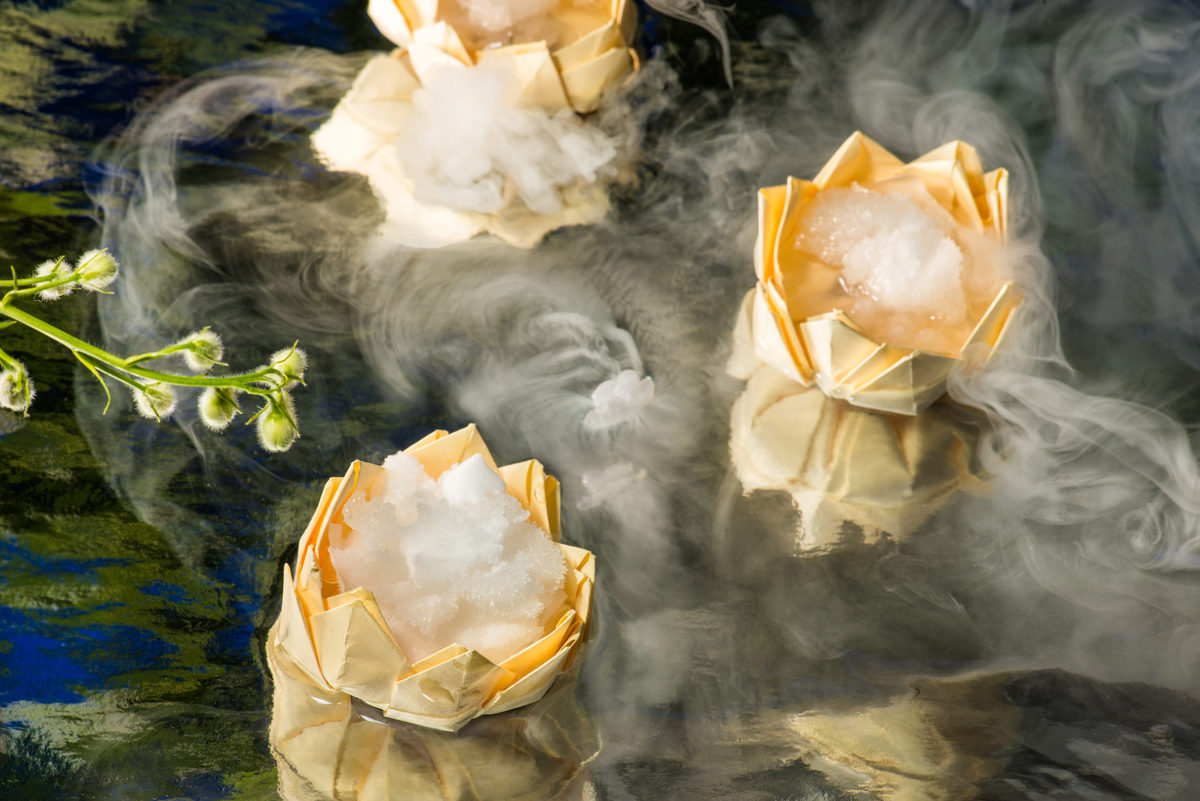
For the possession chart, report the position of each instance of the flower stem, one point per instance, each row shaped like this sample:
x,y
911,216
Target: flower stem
x,y
243,381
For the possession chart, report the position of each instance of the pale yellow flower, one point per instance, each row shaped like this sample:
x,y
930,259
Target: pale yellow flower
x,y
801,321
464,129
339,640
568,51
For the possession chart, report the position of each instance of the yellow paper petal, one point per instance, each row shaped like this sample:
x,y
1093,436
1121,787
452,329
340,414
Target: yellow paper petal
x,y
364,121
530,657
441,450
995,320
588,47
771,202
536,491
797,324
533,685
446,695
836,346
860,160
586,82
996,192
390,21
292,635
440,37
775,339
428,60
538,79
357,652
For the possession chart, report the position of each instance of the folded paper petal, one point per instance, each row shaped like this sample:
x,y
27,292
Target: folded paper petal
x,y
357,653
809,343
590,54
593,51
339,641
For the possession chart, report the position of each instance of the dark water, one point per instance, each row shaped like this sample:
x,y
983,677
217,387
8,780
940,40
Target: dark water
x,y
141,564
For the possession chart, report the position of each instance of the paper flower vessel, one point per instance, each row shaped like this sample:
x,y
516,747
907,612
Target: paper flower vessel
x,y
328,746
338,637
567,51
877,276
460,131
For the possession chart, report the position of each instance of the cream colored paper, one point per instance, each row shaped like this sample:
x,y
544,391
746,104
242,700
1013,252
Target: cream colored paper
x,y
829,348
594,53
358,138
340,642
327,746
885,473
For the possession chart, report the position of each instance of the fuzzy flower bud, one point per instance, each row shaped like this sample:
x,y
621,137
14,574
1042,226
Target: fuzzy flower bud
x,y
97,269
277,423
204,350
218,406
155,401
16,387
54,269
290,363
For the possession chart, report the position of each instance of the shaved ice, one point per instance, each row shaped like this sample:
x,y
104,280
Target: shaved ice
x,y
451,561
901,270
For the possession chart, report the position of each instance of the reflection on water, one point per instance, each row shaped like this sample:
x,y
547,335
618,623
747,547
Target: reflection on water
x,y
1035,641
330,746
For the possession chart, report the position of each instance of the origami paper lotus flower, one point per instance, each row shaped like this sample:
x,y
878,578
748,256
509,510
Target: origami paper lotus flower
x,y
340,642
883,472
459,137
328,746
801,326
568,51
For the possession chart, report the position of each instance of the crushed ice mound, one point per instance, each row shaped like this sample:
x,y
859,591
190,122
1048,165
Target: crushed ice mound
x,y
893,254
452,561
619,399
454,150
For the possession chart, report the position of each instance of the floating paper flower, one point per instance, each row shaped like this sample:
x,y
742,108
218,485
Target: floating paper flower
x,y
460,131
567,51
465,643
877,276
329,747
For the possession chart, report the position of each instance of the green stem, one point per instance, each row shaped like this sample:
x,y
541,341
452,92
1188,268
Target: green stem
x,y
242,381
